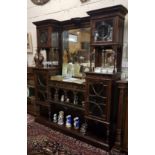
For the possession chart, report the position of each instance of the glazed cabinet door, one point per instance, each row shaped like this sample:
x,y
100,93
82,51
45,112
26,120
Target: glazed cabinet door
x,y
44,37
41,82
102,30
98,98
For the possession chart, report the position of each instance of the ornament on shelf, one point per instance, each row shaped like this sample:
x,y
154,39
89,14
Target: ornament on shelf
x,y
61,118
67,100
38,59
83,103
55,118
62,98
76,123
83,128
68,121
56,95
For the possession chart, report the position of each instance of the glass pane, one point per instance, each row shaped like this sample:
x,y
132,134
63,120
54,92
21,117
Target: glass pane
x,y
54,38
103,30
76,51
108,58
107,61
41,79
97,99
54,56
42,96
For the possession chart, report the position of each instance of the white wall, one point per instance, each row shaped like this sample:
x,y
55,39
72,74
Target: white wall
x,y
67,9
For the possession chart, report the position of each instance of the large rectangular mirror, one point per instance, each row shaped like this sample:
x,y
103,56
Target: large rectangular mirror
x,y
76,52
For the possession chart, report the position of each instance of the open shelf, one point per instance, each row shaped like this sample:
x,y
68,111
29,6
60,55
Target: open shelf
x,y
78,107
88,138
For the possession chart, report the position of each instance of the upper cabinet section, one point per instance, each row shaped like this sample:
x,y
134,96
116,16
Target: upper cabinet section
x,y
48,33
107,25
85,42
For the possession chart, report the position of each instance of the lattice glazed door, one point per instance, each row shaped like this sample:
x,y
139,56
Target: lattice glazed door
x,y
41,82
98,99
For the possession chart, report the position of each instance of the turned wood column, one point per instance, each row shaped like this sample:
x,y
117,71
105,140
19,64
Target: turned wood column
x,y
121,139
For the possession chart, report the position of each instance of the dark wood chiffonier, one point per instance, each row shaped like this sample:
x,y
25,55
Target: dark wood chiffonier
x,y
84,83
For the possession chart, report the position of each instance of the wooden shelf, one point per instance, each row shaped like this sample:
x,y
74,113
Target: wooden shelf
x,y
90,117
88,138
42,103
68,105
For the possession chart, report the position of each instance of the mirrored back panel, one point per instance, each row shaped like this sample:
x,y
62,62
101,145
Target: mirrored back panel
x,y
76,51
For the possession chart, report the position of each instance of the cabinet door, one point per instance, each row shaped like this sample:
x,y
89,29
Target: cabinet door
x,y
41,81
98,98
102,30
44,37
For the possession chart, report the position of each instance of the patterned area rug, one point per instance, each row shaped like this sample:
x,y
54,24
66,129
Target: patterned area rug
x,y
42,140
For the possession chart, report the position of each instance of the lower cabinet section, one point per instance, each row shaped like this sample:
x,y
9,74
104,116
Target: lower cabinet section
x,y
88,137
88,110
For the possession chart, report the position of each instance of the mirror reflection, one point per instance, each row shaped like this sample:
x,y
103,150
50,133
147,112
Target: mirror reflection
x,y
76,52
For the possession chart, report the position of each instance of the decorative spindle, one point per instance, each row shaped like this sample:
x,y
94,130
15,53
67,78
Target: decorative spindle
x,y
56,94
75,98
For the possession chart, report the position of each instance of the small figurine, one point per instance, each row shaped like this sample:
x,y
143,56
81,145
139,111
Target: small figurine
x,y
67,100
83,128
83,103
62,98
76,123
38,59
55,118
56,95
68,121
61,118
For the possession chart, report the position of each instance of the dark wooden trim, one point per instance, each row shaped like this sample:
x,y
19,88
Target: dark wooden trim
x,y
109,10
